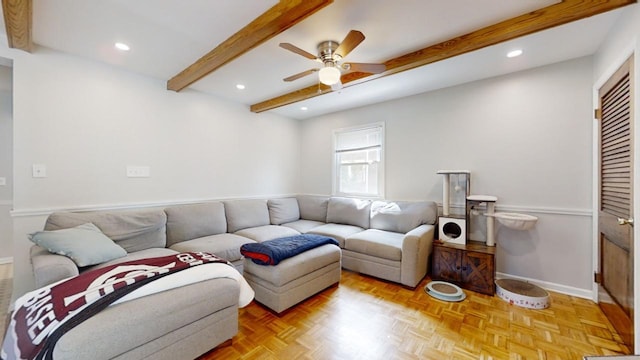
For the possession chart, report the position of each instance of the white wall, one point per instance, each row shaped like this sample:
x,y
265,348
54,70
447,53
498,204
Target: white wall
x,y
621,42
525,137
86,122
6,164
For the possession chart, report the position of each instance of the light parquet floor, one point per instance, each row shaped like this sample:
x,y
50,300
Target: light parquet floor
x,y
6,284
366,318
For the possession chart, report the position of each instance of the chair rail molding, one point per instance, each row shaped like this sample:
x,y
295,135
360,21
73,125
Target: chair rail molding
x,y
536,210
16,213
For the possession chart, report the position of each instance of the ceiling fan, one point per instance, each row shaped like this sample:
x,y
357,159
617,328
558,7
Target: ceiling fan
x,y
330,54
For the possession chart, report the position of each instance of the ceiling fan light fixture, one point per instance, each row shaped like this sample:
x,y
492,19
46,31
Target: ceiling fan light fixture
x,y
329,75
122,46
514,53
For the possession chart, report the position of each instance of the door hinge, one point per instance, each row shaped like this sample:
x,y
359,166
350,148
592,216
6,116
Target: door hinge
x,y
597,114
597,277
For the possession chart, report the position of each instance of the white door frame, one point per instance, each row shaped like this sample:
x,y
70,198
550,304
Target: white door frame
x,y
630,50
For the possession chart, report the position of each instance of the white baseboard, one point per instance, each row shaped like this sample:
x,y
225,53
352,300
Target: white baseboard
x,y
6,260
559,288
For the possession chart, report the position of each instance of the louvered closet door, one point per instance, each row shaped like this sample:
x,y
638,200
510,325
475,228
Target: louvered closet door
x,y
616,190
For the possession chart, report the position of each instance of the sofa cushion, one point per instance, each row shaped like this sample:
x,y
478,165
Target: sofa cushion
x,y
242,214
133,230
303,226
49,268
402,216
349,211
156,322
295,267
186,222
84,244
267,232
378,243
336,231
227,246
313,207
283,210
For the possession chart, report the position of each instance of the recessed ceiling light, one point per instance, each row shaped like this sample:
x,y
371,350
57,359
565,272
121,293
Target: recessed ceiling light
x,y
122,46
240,86
514,53
304,108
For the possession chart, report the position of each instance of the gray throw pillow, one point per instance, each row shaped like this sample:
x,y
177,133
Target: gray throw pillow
x,y
84,244
349,211
402,216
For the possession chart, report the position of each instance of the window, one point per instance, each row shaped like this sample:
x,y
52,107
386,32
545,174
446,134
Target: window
x,y
358,161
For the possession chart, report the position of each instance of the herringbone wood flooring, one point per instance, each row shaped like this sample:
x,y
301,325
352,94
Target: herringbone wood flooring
x,y
366,318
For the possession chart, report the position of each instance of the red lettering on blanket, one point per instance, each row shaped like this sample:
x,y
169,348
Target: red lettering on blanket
x,y
114,279
32,319
37,301
39,304
42,327
189,259
35,321
206,256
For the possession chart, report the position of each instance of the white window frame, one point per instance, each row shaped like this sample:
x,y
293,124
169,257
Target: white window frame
x,y
381,167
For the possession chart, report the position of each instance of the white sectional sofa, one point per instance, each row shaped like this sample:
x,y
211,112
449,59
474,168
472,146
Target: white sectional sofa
x,y
386,239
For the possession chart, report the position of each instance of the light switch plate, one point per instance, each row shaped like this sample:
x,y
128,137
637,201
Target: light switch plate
x,y
3,181
138,171
39,171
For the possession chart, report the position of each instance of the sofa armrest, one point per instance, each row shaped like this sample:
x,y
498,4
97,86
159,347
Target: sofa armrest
x,y
49,268
416,248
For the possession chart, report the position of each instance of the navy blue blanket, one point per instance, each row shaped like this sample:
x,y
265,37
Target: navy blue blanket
x,y
271,252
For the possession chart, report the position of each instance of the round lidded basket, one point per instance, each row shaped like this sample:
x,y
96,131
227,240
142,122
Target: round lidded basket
x,y
522,293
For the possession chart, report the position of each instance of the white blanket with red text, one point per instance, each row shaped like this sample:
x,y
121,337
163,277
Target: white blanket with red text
x,y
44,315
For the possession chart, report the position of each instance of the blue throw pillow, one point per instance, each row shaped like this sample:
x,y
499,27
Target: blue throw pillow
x,y
85,244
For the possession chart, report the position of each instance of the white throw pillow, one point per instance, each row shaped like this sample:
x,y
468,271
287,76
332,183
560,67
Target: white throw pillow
x,y
401,216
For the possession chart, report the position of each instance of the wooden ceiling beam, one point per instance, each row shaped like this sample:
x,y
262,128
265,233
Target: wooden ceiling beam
x,y
18,19
526,24
279,18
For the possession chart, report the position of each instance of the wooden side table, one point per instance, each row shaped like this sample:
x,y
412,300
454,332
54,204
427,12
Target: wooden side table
x,y
470,266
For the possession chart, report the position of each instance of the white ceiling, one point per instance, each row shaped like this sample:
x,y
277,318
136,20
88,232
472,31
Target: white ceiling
x,y
168,35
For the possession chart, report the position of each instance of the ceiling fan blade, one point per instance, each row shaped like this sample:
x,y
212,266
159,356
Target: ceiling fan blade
x,y
299,75
366,68
353,39
297,50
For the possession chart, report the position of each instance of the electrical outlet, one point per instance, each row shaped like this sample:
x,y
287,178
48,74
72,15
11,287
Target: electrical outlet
x,y
138,171
39,171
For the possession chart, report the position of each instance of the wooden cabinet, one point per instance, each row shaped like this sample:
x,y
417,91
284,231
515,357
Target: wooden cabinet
x,y
471,266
